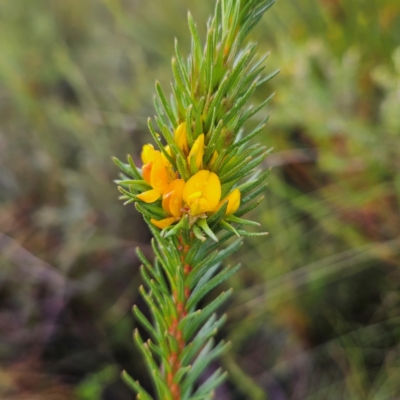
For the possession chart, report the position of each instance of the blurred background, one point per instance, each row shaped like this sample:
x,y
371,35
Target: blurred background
x,y
316,309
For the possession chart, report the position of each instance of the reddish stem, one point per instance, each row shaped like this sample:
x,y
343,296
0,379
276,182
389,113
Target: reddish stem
x,y
181,312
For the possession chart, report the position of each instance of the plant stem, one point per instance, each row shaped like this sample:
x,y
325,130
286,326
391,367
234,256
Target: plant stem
x,y
174,330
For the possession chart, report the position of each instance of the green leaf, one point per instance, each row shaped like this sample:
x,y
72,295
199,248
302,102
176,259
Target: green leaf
x,y
246,168
161,387
139,185
181,83
252,111
205,357
182,167
149,212
254,234
203,275
145,322
199,316
163,297
174,230
254,194
158,351
202,222
189,127
252,184
168,110
252,206
181,373
216,217
180,280
233,172
135,385
193,166
211,141
197,232
198,268
202,289
155,311
211,383
252,134
194,251
232,218
222,254
209,329
229,227
196,44
268,77
240,103
127,168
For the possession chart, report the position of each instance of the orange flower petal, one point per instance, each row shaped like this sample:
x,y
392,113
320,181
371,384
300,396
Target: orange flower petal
x,y
163,223
150,196
146,171
176,202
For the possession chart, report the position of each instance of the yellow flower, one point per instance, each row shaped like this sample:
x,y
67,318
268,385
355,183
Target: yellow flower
x,y
197,151
148,153
163,223
157,172
172,203
202,192
181,138
233,200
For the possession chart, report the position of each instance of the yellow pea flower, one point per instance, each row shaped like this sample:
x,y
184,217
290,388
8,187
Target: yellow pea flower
x,y
157,172
233,200
181,138
202,192
148,153
197,151
172,203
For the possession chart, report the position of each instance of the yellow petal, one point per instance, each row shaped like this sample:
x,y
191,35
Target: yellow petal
x,y
163,223
202,192
160,177
148,153
146,171
212,190
197,151
199,206
181,138
150,196
233,200
176,202
172,201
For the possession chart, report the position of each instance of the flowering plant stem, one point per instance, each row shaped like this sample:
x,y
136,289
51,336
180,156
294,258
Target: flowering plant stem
x,y
192,191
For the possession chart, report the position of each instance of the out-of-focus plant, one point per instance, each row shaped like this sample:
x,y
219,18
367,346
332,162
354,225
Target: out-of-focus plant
x,y
192,192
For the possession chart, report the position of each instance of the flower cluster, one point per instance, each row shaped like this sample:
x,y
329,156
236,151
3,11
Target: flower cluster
x,y
199,196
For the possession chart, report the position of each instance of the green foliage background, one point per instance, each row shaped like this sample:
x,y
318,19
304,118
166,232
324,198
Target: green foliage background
x,y
316,308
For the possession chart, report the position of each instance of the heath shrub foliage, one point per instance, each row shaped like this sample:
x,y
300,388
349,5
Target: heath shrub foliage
x,y
193,188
